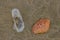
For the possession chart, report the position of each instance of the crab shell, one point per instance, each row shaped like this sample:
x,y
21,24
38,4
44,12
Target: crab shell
x,y
41,26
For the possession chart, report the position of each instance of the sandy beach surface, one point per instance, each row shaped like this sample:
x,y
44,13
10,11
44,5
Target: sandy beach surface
x,y
31,11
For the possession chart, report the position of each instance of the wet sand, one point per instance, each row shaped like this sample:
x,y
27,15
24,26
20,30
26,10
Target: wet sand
x,y
31,10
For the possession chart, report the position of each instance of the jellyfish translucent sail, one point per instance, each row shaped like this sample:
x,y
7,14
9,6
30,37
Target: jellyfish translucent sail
x,y
18,24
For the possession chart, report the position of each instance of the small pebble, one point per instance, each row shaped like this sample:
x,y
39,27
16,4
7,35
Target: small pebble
x,y
41,26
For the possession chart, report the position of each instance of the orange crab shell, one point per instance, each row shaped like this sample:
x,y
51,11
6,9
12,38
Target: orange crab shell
x,y
41,26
